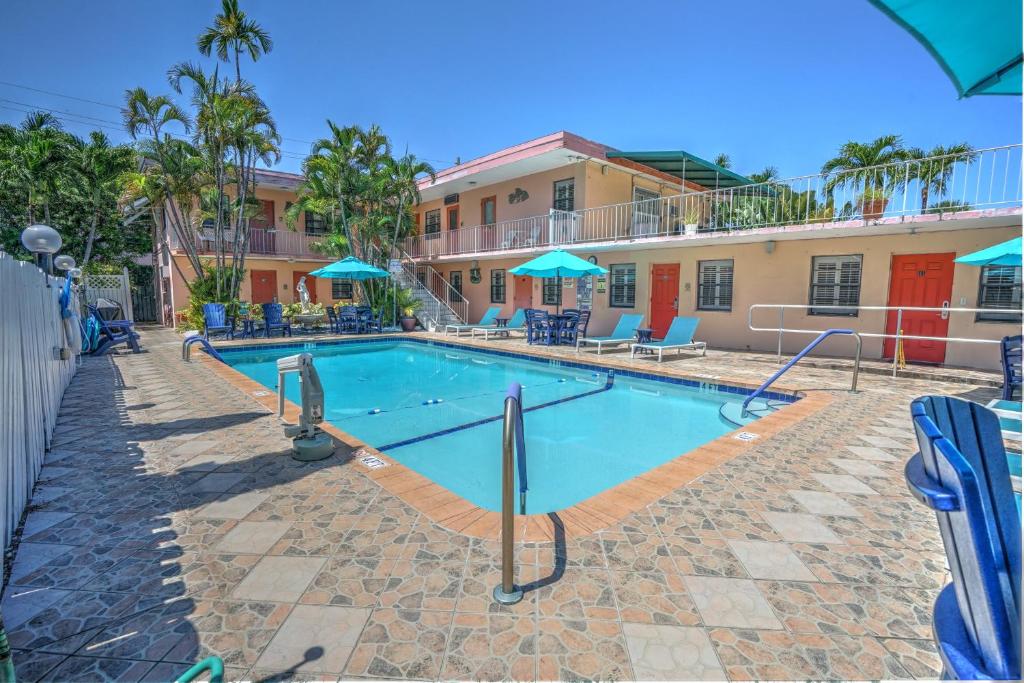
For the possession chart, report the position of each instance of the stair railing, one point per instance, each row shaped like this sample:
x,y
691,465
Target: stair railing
x,y
807,349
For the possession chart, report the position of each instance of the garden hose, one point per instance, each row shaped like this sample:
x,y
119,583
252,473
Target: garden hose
x,y
212,664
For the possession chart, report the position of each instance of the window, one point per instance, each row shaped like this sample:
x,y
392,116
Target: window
x,y
623,285
432,223
341,288
497,286
1000,290
455,280
565,195
646,212
835,281
714,285
488,208
315,223
552,291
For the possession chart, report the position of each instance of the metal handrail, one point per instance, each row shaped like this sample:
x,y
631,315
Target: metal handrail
x,y
807,349
512,443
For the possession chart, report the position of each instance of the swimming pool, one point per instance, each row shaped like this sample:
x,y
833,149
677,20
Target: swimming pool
x,y
397,395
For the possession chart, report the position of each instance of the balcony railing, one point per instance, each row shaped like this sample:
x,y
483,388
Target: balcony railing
x,y
942,186
262,242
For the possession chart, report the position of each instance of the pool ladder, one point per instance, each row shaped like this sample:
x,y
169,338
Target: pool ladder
x,y
513,456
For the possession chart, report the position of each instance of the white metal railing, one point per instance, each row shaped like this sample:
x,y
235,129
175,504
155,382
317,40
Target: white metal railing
x,y
897,334
262,242
441,289
942,186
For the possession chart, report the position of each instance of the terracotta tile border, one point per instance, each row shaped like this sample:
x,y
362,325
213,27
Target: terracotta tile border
x,y
582,519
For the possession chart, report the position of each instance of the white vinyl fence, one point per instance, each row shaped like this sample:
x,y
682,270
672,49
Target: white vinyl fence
x,y
116,287
32,380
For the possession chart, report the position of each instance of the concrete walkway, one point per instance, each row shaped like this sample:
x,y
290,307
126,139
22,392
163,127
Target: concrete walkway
x,y
170,524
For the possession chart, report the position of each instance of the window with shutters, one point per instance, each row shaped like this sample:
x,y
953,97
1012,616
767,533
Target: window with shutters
x,y
552,291
498,286
432,223
835,281
714,285
565,195
623,285
1000,290
341,288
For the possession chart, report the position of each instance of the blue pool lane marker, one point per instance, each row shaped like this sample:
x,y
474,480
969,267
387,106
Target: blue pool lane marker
x,y
608,384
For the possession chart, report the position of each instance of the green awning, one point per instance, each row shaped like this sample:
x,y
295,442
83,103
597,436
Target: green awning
x,y
687,167
978,44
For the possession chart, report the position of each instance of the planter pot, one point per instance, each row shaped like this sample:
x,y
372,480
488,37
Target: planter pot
x,y
408,323
874,208
691,228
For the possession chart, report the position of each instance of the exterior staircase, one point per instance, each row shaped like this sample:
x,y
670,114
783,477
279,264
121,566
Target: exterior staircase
x,y
434,312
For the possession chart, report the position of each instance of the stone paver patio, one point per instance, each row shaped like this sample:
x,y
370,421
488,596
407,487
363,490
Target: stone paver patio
x,y
169,524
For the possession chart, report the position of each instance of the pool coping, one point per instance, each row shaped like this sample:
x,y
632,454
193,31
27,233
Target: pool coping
x,y
605,509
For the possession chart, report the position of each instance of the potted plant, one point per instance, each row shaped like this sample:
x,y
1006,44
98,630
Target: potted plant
x,y
872,203
407,305
691,217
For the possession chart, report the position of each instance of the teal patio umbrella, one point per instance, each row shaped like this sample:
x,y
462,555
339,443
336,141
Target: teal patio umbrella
x,y
978,44
558,263
1006,254
350,268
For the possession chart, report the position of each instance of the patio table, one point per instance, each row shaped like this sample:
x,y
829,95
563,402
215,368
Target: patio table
x,y
644,336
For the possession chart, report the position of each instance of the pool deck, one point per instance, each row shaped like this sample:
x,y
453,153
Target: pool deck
x,y
169,524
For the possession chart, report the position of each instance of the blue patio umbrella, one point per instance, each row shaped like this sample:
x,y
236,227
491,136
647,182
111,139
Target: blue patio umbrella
x,y
1006,254
978,44
559,264
350,268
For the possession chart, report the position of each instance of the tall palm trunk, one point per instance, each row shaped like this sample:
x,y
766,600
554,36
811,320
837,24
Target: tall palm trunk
x,y
91,238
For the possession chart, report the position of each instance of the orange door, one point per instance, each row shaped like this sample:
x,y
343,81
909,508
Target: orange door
x,y
664,296
523,297
310,286
264,286
924,280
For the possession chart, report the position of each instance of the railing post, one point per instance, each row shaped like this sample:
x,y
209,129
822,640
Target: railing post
x,y
507,593
896,345
782,315
856,363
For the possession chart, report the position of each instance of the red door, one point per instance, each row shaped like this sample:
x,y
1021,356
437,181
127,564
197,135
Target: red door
x,y
664,296
924,280
310,286
264,286
523,297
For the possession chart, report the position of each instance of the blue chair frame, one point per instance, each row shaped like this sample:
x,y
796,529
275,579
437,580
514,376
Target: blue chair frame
x,y
1010,354
217,321
114,333
961,472
273,320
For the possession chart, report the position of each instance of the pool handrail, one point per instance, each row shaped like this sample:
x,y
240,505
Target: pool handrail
x,y
807,349
197,338
512,443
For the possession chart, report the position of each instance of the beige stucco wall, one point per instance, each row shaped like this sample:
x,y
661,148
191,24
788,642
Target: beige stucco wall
x,y
783,277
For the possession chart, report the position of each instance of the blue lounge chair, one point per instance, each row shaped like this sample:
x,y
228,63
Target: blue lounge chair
x,y
624,333
113,333
273,320
678,337
517,323
961,472
217,321
1010,352
485,320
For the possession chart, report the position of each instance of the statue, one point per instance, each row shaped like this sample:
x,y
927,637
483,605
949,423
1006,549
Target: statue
x,y
303,294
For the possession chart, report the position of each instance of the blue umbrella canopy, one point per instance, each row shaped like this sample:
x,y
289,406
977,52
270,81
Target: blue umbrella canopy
x,y
1005,254
558,263
978,44
350,268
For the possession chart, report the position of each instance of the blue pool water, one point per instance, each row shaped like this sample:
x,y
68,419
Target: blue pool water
x,y
379,392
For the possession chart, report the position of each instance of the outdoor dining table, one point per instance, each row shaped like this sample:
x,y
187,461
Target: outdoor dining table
x,y
559,322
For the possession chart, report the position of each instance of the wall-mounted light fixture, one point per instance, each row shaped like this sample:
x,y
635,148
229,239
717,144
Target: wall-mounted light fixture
x,y
43,241
769,247
63,262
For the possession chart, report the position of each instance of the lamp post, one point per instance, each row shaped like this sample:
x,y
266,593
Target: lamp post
x,y
64,262
43,241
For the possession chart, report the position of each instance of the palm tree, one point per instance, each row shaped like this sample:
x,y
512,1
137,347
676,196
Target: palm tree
x,y
933,169
231,34
100,172
859,162
723,160
37,151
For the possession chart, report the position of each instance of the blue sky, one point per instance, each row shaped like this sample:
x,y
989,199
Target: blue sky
x,y
781,83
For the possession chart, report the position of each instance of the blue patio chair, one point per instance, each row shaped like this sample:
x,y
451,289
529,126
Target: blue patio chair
x,y
273,320
543,330
332,319
517,323
567,331
371,322
113,333
624,333
583,324
961,472
486,319
348,320
678,337
1010,353
217,321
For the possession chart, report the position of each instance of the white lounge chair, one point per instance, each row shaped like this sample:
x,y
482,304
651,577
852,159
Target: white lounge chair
x,y
678,337
624,333
487,319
